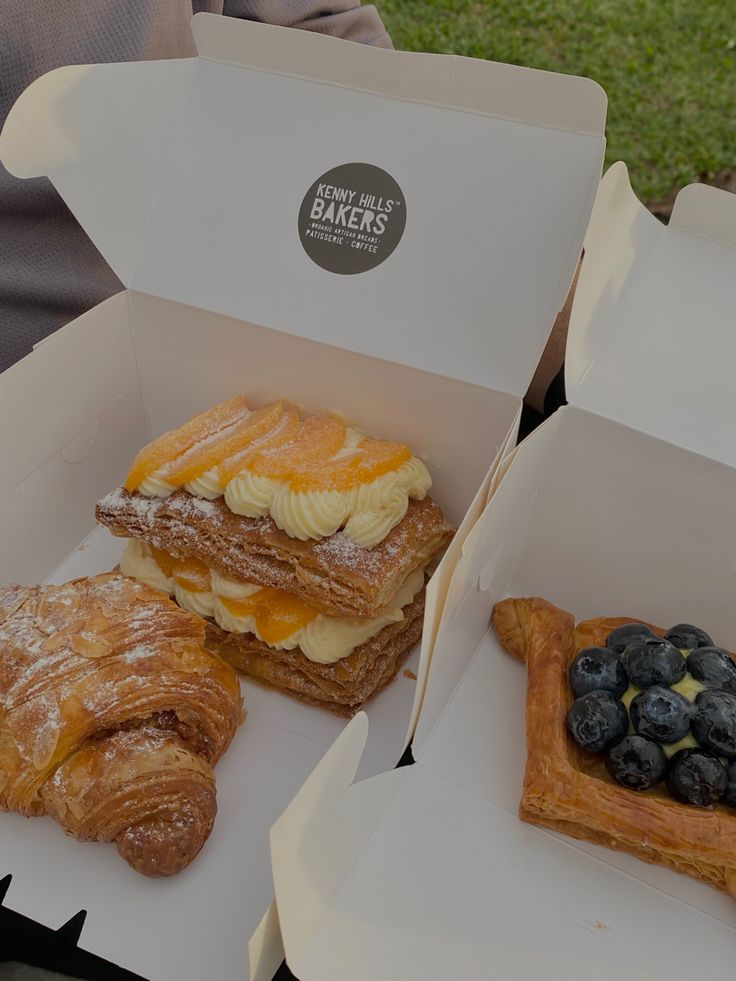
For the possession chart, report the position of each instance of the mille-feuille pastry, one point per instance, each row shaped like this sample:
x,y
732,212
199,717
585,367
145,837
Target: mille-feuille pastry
x,y
309,505
631,736
112,716
298,520
336,663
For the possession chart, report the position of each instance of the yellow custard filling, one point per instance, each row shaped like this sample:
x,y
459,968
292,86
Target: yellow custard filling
x,y
275,617
690,688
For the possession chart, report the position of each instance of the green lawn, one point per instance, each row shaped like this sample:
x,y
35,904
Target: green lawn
x,y
668,66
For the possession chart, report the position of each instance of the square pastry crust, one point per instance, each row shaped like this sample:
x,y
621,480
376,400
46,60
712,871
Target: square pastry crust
x,y
569,790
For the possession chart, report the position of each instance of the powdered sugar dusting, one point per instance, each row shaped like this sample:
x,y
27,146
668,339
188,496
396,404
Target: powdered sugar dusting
x,y
145,508
217,436
341,551
89,672
148,509
188,505
337,549
138,653
11,598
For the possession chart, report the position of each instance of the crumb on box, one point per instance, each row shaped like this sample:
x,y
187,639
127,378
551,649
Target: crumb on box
x,y
409,674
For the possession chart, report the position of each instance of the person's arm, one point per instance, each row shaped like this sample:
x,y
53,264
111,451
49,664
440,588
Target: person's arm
x,y
339,18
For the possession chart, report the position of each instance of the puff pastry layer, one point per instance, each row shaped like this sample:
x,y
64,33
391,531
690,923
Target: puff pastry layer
x,y
342,688
333,575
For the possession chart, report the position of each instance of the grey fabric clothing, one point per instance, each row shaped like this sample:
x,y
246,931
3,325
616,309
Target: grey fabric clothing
x,y
13,971
50,272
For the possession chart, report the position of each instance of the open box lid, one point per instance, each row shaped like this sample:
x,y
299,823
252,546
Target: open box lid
x,y
190,177
652,341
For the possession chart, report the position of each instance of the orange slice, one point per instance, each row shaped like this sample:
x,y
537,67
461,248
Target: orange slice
x,y
166,563
278,614
192,575
207,453
371,460
241,608
320,438
285,431
172,444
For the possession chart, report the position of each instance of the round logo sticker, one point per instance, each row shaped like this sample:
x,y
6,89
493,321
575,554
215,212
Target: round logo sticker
x,y
352,218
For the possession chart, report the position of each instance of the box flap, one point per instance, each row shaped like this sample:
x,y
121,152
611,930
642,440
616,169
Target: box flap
x,y
651,337
439,584
408,196
322,834
68,412
454,731
98,132
265,947
453,887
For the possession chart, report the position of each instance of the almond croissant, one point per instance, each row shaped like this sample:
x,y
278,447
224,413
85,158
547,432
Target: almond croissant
x,y
111,717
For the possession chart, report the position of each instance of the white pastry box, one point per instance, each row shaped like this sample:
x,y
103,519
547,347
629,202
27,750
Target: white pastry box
x,y
623,503
213,187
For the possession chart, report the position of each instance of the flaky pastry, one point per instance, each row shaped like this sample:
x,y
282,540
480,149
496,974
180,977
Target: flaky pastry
x,y
569,790
333,575
112,715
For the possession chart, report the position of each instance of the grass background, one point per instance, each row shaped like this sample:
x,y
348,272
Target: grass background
x,y
668,66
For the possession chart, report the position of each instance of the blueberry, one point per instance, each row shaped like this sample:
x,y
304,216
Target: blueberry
x,y
598,669
651,661
661,714
597,721
686,637
714,668
620,638
695,777
714,722
636,763
730,795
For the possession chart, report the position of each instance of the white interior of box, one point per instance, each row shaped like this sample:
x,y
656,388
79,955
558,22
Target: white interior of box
x,y
71,416
188,177
602,519
145,360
